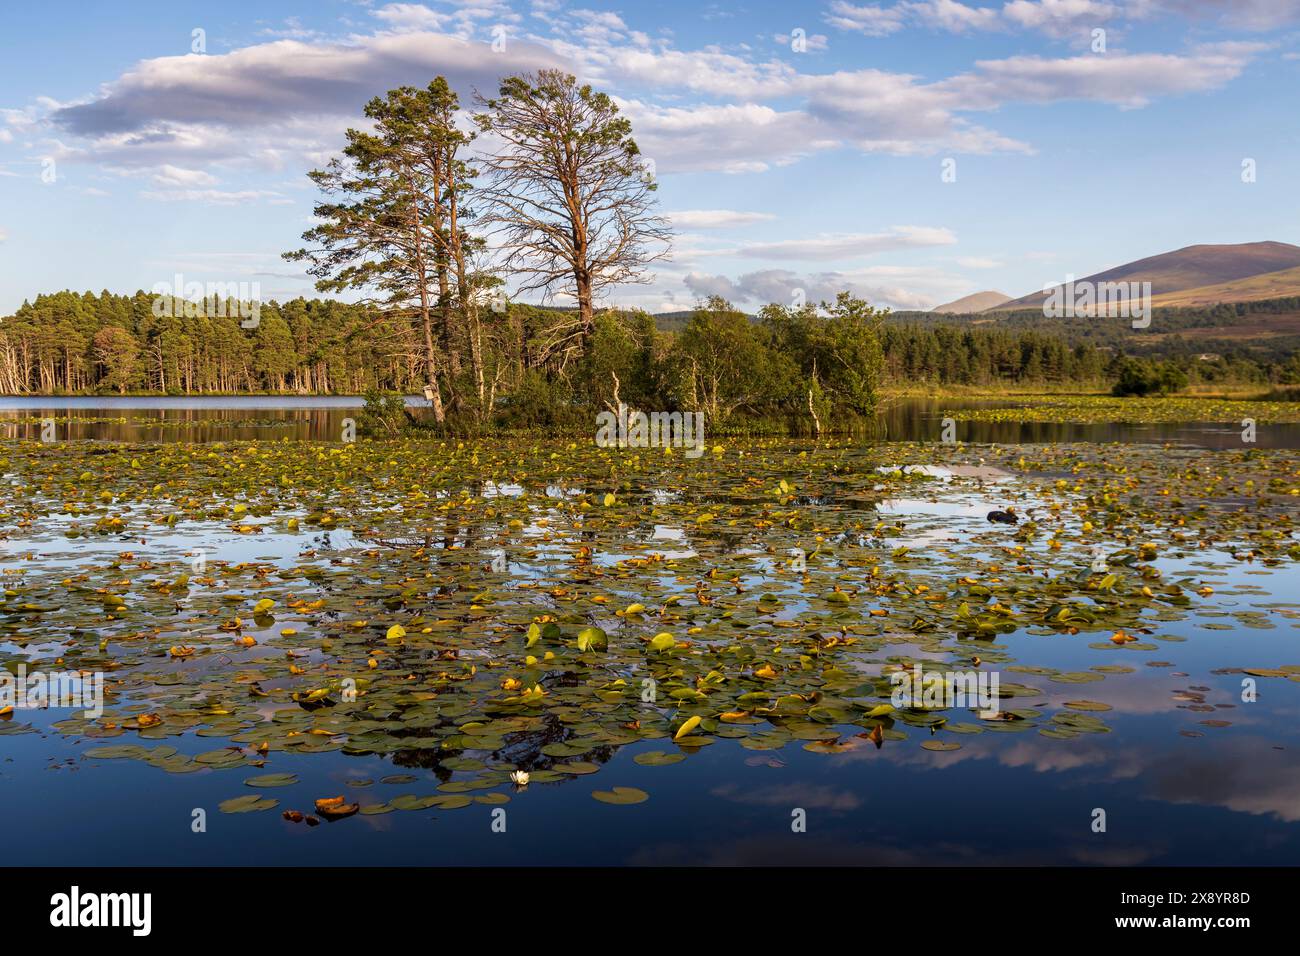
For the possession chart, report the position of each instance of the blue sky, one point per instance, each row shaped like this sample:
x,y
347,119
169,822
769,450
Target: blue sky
x,y
817,169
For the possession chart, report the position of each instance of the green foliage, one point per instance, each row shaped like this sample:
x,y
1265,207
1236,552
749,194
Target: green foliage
x,y
952,354
747,374
542,402
835,355
1143,377
724,365
78,342
609,362
116,353
1246,341
384,415
1289,374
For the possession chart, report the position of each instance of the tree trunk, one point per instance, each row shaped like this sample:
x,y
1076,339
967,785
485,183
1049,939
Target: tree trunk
x,y
426,316
586,315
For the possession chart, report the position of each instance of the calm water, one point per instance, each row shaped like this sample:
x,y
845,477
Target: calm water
x,y
1230,796
321,419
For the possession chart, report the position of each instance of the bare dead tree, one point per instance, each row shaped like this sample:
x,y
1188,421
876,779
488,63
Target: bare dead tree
x,y
567,195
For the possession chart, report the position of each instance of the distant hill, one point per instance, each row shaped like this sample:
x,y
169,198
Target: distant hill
x,y
975,302
1267,285
1202,267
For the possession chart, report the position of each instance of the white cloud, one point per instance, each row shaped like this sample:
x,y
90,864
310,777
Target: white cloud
x,y
1251,15
708,70
169,175
287,102
891,287
953,16
463,18
814,42
734,138
216,197
1127,80
293,29
979,262
1058,17
409,16
1055,18
259,86
872,20
715,218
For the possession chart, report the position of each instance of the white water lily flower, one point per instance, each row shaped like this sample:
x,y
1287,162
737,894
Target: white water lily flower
x,y
519,777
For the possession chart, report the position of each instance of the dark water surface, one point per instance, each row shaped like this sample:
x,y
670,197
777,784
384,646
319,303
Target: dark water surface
x,y
1229,795
321,418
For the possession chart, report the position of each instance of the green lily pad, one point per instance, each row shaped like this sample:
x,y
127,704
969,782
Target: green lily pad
x,y
272,780
623,796
252,803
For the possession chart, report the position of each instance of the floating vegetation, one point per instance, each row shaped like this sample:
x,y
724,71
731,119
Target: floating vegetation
x,y
621,796
249,804
1149,410
510,614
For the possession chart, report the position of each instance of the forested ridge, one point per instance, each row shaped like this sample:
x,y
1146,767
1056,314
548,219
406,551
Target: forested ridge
x,y
89,343
105,344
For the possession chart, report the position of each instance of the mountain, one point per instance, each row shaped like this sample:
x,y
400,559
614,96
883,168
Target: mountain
x,y
1266,285
1210,270
975,302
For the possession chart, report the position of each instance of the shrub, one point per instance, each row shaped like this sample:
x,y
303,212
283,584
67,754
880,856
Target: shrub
x,y
540,402
384,415
1140,377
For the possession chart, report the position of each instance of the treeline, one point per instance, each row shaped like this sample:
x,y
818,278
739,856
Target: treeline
x,y
718,357
87,343
808,363
951,355
990,355
1255,340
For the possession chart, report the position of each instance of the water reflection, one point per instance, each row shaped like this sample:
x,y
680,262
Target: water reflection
x,y
243,418
1231,794
921,419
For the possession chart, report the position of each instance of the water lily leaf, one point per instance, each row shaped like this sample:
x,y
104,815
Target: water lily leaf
x,y
409,801
657,758
123,751
622,796
592,639
577,767
272,780
251,803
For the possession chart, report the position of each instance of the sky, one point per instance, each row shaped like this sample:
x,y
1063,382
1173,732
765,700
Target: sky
x,y
910,151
